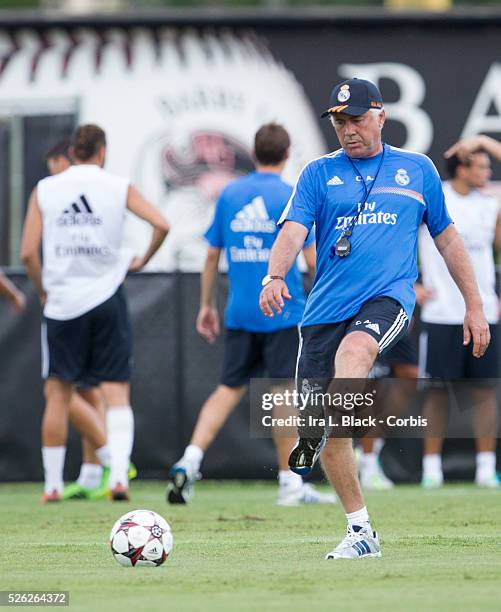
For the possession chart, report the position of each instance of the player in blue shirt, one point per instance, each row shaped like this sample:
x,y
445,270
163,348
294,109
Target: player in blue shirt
x,y
367,201
245,225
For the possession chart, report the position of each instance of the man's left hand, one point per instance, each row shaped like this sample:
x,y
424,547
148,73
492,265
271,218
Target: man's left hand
x,y
476,328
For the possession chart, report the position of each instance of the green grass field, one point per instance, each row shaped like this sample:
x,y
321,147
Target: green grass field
x,y
235,550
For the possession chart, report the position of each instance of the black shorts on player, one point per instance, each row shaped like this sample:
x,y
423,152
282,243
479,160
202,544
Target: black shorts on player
x,y
95,347
384,319
250,355
403,352
443,355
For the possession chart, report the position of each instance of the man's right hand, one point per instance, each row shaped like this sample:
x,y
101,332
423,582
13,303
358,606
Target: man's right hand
x,y
208,323
272,297
423,294
19,302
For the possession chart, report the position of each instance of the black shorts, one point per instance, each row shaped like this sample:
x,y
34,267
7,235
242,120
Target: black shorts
x,y
442,354
403,352
382,318
249,355
93,348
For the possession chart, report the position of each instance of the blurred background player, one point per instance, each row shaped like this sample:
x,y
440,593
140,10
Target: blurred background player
x,y
78,217
401,363
245,225
477,218
87,407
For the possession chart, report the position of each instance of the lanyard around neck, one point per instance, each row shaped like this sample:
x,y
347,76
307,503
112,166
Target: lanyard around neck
x,y
367,190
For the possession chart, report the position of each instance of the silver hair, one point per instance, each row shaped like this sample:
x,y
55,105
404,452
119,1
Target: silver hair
x,y
374,111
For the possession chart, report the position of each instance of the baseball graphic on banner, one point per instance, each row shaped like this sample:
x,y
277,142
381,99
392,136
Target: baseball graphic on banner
x,y
180,109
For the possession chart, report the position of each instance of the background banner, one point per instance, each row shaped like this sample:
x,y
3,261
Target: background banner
x,y
181,98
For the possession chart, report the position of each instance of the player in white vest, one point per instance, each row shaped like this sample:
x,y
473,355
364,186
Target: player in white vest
x,y
87,410
476,215
78,217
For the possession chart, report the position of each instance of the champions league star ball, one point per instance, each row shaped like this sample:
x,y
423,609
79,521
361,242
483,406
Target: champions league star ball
x,y
141,538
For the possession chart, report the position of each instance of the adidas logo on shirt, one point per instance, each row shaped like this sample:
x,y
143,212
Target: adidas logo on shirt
x,y
254,218
335,180
79,213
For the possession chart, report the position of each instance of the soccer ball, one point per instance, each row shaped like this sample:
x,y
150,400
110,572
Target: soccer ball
x,y
141,537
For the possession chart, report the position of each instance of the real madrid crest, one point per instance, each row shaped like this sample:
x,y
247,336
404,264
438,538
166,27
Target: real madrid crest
x,y
402,178
344,93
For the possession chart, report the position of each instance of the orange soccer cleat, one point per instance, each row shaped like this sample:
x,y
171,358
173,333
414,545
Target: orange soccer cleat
x,y
51,497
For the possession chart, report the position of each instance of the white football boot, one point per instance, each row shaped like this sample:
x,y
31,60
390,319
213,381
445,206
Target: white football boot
x,y
290,494
358,543
432,481
182,477
487,480
375,480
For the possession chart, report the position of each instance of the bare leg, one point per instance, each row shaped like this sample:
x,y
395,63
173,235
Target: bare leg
x,y
354,359
214,413
94,398
88,421
367,445
283,444
55,418
54,435
485,419
283,447
435,411
339,465
115,394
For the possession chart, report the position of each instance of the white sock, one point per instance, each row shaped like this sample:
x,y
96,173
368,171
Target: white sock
x,y
120,434
287,478
486,464
53,465
194,455
359,518
90,475
104,455
369,463
432,465
378,446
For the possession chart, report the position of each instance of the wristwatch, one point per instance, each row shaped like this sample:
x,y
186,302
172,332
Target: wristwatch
x,y
267,279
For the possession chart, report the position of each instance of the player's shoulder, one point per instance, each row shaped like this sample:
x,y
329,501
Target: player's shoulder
x,y
53,180
412,157
46,181
236,186
112,177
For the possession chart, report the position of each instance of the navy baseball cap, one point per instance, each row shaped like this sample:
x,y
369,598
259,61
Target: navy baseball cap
x,y
354,97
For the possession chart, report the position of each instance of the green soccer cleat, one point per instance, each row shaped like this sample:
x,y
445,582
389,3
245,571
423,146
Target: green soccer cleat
x,y
132,473
75,491
103,490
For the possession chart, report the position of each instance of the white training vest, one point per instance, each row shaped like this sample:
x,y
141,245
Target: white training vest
x,y
83,211
475,216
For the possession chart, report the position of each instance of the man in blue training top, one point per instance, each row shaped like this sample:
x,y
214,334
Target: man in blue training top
x,y
367,201
245,224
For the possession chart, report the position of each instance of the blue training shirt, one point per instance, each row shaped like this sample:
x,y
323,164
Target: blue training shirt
x,y
245,224
382,262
